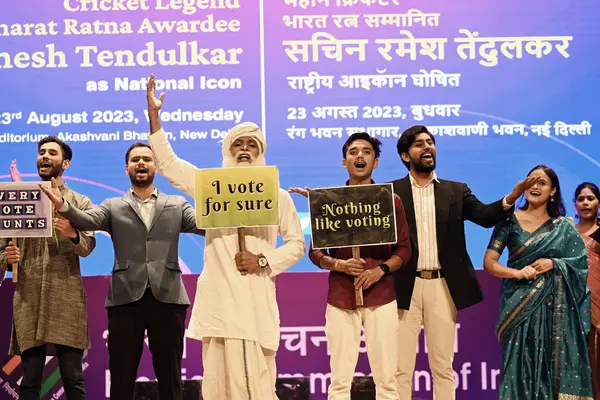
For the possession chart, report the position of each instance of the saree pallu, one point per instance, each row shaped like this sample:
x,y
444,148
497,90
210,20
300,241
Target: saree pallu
x,y
594,285
544,323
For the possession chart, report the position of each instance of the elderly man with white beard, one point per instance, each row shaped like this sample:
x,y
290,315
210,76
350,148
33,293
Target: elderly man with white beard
x,y
235,312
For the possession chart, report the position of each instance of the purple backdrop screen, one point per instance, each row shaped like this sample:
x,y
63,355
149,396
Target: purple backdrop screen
x,y
503,84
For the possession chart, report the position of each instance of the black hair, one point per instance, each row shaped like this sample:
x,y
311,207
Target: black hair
x,y
593,188
375,143
408,137
66,149
555,206
133,146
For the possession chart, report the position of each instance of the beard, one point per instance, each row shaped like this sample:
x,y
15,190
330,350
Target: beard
x,y
141,183
419,166
54,172
231,162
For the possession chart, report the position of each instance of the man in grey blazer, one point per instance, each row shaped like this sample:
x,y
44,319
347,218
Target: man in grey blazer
x,y
146,290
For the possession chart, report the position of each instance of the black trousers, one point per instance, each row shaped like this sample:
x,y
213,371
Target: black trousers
x,y
127,324
69,364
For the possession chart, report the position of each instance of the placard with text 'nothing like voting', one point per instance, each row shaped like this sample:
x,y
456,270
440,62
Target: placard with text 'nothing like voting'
x,y
237,197
352,216
25,211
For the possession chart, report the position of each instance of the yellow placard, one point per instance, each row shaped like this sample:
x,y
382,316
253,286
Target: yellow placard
x,y
237,197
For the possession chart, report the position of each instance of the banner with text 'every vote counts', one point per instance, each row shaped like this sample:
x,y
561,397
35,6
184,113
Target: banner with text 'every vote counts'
x,y
25,211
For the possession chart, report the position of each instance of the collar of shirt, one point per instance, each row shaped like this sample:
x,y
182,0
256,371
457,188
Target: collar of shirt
x,y
413,181
138,198
348,182
62,187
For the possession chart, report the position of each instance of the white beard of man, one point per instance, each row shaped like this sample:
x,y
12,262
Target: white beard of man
x,y
245,129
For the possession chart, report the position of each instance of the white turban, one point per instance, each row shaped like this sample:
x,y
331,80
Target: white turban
x,y
249,129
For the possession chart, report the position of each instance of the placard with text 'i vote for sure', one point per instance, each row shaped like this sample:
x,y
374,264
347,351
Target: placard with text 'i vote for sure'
x,y
25,211
349,216
237,197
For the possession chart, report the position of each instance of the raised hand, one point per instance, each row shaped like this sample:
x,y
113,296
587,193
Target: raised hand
x,y
15,175
154,103
521,188
303,192
53,193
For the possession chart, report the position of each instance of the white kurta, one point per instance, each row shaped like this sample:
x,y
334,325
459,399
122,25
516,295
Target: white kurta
x,y
228,304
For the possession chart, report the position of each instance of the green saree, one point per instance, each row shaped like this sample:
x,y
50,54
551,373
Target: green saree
x,y
544,322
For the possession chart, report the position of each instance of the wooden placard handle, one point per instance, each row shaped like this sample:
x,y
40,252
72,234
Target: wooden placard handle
x,y
15,266
242,243
358,291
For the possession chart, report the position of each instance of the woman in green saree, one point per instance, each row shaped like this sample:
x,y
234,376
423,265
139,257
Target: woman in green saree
x,y
545,301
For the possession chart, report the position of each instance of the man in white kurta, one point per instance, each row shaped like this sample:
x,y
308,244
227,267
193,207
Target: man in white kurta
x,y
236,316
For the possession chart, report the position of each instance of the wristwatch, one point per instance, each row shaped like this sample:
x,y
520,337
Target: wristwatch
x,y
385,268
262,261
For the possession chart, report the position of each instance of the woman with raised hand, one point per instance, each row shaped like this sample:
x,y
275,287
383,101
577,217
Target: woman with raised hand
x,y
545,301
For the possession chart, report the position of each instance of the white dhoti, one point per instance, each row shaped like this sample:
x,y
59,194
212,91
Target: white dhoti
x,y
237,369
343,330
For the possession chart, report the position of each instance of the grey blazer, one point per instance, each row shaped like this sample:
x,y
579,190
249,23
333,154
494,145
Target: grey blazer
x,y
142,256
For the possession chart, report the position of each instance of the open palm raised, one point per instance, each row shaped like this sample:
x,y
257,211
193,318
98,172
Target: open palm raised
x,y
53,194
154,103
300,191
15,175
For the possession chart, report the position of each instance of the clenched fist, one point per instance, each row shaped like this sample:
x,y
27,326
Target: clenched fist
x,y
13,254
247,262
